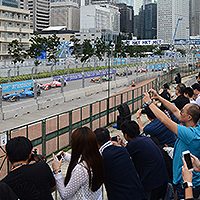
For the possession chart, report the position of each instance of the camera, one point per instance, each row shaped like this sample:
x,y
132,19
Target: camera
x,y
36,157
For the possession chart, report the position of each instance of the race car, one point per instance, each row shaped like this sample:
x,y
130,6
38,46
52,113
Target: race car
x,y
104,78
95,80
50,85
16,96
124,73
141,70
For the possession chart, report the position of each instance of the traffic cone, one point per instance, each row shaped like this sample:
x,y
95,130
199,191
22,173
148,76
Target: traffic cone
x,y
133,84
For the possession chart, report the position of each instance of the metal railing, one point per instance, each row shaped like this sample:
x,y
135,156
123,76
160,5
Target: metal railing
x,y
53,133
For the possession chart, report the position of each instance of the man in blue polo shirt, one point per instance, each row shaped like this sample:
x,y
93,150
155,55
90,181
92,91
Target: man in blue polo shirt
x,y
188,137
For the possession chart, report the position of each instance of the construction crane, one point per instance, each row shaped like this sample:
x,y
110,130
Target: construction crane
x,y
179,19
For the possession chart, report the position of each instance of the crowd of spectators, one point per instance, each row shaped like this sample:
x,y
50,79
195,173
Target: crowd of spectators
x,y
145,164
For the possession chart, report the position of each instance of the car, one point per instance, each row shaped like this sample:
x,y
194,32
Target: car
x,y
124,73
141,70
24,93
104,78
95,80
53,84
157,69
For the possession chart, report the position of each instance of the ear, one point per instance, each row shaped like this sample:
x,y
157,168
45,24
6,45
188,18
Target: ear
x,y
126,136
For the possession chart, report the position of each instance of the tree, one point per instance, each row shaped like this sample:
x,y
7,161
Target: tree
x,y
16,51
76,48
52,43
38,45
87,50
100,48
120,49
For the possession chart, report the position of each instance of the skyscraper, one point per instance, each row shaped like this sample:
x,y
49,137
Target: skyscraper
x,y
194,17
39,13
127,2
137,6
65,13
168,13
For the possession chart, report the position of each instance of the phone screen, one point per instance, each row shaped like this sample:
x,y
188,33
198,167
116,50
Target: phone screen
x,y
114,138
59,157
188,160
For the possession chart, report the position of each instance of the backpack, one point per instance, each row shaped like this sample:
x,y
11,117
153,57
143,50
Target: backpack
x,y
124,114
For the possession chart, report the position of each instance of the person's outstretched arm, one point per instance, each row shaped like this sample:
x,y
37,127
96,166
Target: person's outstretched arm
x,y
170,106
171,125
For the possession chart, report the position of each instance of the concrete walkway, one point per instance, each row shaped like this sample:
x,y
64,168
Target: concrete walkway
x,y
189,80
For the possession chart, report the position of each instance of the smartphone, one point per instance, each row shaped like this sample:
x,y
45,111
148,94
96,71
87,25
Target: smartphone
x,y
59,157
115,138
187,157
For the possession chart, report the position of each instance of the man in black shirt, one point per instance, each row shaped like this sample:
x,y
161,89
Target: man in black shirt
x,y
6,192
28,181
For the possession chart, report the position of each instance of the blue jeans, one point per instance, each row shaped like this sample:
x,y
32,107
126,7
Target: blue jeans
x,y
181,191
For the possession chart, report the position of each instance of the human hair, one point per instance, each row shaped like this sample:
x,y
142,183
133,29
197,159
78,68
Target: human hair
x,y
18,149
166,86
131,128
178,74
181,88
149,113
194,111
189,91
103,135
84,147
196,86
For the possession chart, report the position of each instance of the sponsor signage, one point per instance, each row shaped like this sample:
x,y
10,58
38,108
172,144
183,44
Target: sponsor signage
x,y
73,77
142,42
10,87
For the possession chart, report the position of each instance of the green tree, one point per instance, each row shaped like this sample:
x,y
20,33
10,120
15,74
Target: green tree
x,y
100,48
120,49
52,43
38,45
87,50
76,48
16,51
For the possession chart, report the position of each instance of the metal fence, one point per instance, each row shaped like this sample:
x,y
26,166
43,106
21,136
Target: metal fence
x,y
53,133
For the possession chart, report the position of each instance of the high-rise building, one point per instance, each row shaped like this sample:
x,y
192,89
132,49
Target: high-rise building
x,y
150,21
168,13
126,18
39,13
14,24
127,2
194,17
137,6
65,13
10,3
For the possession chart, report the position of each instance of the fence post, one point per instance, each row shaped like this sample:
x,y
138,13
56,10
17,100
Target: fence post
x,y
91,116
0,100
35,89
52,71
62,84
108,107
83,80
44,137
9,75
32,72
133,101
70,126
100,76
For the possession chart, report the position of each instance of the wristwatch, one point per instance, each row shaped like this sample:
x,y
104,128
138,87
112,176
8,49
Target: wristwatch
x,y
149,102
187,184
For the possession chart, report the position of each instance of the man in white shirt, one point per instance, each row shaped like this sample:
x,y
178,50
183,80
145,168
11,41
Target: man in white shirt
x,y
189,94
196,90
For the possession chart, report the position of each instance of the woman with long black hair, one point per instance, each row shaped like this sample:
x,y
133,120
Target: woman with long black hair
x,y
85,174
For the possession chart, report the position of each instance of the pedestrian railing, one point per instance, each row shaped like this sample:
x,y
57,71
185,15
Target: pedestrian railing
x,y
53,133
